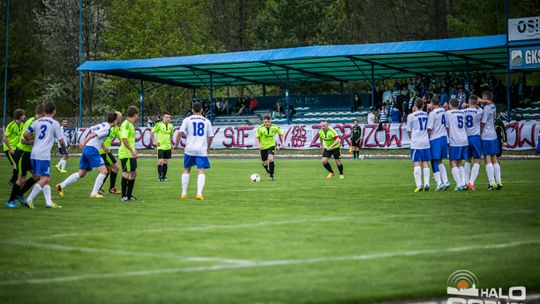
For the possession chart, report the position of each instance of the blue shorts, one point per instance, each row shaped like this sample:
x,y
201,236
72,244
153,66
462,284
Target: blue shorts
x,y
419,155
490,147
439,148
475,146
90,158
538,145
201,161
459,153
41,167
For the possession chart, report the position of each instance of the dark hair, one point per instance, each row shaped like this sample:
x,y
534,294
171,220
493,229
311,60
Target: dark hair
x,y
435,100
196,107
487,95
111,117
454,102
266,117
65,119
50,108
132,111
474,99
40,109
165,113
355,120
18,114
419,103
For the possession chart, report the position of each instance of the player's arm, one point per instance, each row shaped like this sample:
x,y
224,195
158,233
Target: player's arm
x,y
152,140
336,141
131,149
6,142
105,148
209,142
61,140
28,138
85,141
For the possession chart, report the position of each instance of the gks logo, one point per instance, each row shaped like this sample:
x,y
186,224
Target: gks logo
x,y
463,285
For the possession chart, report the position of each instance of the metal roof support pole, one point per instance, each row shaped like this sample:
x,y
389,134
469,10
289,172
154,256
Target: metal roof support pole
x,y
141,102
80,62
193,94
372,86
341,87
228,91
264,89
508,110
287,98
6,66
211,98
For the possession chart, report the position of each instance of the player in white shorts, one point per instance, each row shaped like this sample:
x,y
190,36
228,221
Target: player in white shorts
x,y
47,131
90,157
199,134
459,145
420,149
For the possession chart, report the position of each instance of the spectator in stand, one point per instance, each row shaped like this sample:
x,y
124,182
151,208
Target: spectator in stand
x,y
291,113
240,105
387,95
356,103
226,107
253,105
405,106
371,118
278,110
395,115
383,116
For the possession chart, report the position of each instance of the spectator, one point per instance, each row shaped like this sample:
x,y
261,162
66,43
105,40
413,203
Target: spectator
x,y
253,105
383,116
395,115
291,113
356,103
241,105
371,118
278,110
226,107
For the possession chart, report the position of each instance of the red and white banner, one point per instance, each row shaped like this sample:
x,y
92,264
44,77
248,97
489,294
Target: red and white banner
x,y
521,136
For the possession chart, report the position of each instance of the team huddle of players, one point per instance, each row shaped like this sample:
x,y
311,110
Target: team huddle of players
x,y
461,135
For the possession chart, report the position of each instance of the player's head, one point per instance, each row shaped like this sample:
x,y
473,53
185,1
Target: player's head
x,y
324,125
19,114
40,110
50,109
454,103
118,117
196,108
355,122
166,117
419,104
473,101
133,113
112,118
64,122
267,121
487,95
435,102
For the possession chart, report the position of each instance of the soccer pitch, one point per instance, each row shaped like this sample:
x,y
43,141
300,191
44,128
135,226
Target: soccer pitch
x,y
300,239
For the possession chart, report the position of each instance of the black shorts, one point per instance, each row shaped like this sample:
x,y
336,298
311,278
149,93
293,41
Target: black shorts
x,y
108,158
336,152
10,157
24,164
129,164
355,142
164,154
266,152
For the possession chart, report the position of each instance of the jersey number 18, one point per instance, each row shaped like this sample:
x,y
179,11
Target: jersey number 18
x,y
198,129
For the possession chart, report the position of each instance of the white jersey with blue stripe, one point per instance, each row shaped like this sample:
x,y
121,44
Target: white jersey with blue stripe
x,y
473,116
488,118
66,132
102,131
197,130
437,123
457,135
47,131
417,125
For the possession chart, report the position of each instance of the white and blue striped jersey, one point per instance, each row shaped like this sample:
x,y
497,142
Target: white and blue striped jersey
x,y
417,125
66,132
473,116
102,131
47,131
457,135
437,123
197,130
488,118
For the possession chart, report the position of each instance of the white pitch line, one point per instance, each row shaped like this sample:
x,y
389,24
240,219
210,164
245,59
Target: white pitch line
x,y
206,227
274,263
126,252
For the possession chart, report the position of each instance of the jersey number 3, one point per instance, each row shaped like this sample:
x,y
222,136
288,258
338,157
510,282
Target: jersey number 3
x,y
198,129
42,133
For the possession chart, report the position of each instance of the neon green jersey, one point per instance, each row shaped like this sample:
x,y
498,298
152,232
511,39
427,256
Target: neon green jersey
x,y
115,132
20,145
13,133
164,133
127,131
329,137
266,135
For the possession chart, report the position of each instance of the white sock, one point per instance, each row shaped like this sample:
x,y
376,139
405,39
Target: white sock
x,y
467,168
200,183
426,176
60,162
474,173
455,174
63,164
462,175
490,174
47,194
185,182
418,176
437,176
70,180
497,173
97,184
35,191
444,176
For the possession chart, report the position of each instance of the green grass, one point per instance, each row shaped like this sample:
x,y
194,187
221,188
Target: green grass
x,y
299,239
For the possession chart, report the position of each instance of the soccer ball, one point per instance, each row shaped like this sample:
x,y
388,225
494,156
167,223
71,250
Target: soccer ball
x,y
255,178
